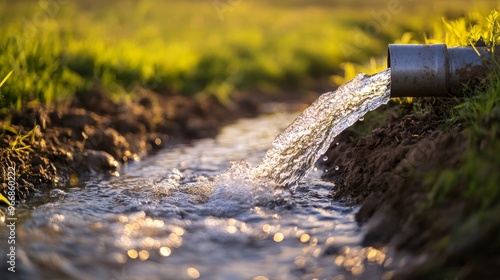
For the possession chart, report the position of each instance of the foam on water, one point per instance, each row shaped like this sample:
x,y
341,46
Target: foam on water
x,y
295,151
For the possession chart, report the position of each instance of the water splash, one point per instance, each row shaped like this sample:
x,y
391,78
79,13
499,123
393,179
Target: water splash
x,y
295,151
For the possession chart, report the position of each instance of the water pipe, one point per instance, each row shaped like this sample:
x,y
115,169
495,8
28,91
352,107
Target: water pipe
x,y
435,70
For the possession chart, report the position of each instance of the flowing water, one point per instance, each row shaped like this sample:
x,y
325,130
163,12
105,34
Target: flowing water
x,y
296,150
200,211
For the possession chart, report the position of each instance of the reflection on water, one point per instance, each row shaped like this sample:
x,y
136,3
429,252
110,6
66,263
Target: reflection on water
x,y
176,215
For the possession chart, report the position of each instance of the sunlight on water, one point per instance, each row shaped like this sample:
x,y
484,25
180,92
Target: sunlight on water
x,y
201,211
295,151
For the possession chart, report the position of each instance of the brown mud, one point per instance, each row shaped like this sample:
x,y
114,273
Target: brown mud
x,y
96,134
385,174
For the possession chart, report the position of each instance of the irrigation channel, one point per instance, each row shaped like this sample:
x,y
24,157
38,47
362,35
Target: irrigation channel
x,y
213,209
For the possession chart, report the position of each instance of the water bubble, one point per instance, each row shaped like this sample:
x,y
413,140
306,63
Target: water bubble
x,y
133,254
165,251
278,237
57,193
175,175
266,228
337,167
143,255
232,229
193,273
305,237
325,158
179,231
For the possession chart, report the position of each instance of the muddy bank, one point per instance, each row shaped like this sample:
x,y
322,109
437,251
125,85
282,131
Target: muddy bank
x,y
95,134
387,173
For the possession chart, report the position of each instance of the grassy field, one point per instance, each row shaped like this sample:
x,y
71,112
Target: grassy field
x,y
57,48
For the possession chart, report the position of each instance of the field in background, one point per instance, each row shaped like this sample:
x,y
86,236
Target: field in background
x,y
57,48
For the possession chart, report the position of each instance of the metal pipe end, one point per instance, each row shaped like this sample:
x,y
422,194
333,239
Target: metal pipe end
x,y
435,69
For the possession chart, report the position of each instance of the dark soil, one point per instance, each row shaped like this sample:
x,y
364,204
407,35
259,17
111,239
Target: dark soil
x,y
96,134
385,173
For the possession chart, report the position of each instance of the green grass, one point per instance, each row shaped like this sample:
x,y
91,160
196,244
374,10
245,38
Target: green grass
x,y
477,179
474,187
195,47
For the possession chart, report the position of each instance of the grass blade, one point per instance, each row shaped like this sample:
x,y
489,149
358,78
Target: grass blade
x,y
6,77
4,199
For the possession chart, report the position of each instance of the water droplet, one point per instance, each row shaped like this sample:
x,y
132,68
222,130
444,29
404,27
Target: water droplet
x,y
361,119
193,273
337,143
305,237
133,254
278,237
232,229
143,255
57,193
266,228
336,168
325,158
165,251
326,170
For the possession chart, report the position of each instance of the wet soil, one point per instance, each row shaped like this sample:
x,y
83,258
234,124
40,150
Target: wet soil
x,y
95,134
386,172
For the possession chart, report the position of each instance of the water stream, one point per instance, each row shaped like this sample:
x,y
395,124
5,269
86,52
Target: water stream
x,y
200,211
296,150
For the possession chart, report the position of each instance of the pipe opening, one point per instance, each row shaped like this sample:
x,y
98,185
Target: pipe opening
x,y
435,69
